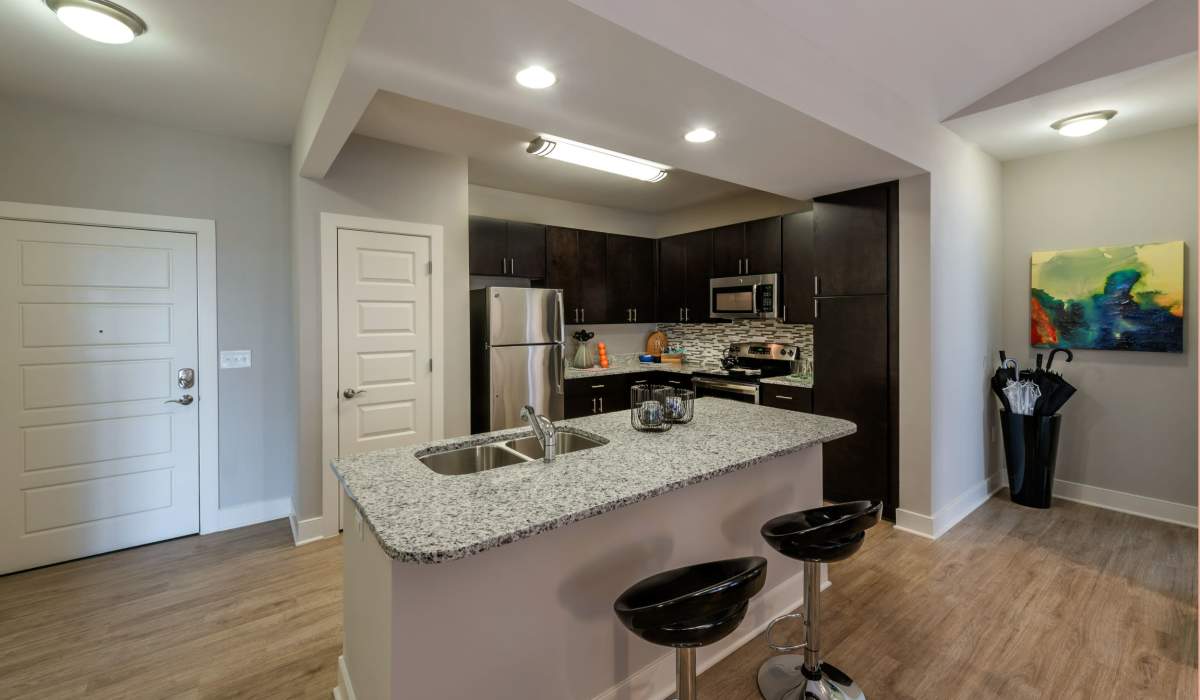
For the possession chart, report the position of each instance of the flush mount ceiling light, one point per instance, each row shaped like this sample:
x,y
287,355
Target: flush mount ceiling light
x,y
98,20
1084,124
700,135
577,153
536,77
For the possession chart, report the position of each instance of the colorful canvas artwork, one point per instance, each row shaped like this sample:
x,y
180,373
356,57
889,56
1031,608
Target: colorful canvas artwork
x,y
1114,298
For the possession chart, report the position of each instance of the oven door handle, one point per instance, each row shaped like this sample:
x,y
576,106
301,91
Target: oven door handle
x,y
733,387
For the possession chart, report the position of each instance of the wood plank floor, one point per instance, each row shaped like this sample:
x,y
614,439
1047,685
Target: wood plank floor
x,y
1013,602
1074,602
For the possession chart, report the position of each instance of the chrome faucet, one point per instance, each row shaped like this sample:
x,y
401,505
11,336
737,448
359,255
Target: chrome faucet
x,y
543,429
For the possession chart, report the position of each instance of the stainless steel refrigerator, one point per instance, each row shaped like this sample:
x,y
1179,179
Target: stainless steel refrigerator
x,y
517,355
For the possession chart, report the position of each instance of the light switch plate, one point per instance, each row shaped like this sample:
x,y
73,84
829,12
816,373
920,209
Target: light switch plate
x,y
235,359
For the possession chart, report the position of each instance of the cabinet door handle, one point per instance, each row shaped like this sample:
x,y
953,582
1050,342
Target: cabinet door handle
x,y
747,266
817,285
681,314
593,404
583,315
816,308
785,313
602,404
781,396
504,266
635,315
687,313
597,386
512,265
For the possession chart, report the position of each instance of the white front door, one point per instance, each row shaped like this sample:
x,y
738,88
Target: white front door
x,y
384,341
95,324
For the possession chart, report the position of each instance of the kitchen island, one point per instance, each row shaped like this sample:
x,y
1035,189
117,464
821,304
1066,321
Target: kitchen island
x,y
500,583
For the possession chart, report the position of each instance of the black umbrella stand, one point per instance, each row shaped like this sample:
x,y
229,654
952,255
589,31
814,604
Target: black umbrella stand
x,y
1030,453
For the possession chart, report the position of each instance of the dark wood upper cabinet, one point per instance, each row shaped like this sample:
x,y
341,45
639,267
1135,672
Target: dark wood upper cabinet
x,y
852,363
672,278
796,233
506,248
527,250
576,265
728,250
763,246
488,241
699,270
850,243
593,303
630,279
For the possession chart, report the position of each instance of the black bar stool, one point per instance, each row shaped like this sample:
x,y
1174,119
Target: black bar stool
x,y
817,536
691,607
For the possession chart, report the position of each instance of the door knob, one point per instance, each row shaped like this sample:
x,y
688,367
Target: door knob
x,y
351,393
185,400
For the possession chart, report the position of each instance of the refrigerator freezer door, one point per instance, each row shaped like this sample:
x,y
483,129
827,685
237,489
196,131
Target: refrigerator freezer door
x,y
522,316
525,374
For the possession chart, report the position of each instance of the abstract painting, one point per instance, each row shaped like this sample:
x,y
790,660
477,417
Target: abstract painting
x,y
1126,297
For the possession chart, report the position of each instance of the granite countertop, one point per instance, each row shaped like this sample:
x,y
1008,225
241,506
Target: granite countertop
x,y
631,365
423,517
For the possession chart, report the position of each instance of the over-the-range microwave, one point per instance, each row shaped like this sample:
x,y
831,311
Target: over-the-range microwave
x,y
745,296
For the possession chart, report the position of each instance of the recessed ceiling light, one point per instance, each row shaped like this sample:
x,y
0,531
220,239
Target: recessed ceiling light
x,y
577,153
536,77
98,20
1084,124
700,135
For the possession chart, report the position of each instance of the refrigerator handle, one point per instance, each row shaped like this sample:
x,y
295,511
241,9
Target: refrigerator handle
x,y
561,320
560,369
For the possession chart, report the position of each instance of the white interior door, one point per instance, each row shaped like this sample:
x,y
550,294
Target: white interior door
x,y
95,323
384,341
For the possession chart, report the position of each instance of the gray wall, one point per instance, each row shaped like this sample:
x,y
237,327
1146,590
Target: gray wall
x,y
1132,425
381,180
52,156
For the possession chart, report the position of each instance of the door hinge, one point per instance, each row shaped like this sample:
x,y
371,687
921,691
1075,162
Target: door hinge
x,y
431,364
429,267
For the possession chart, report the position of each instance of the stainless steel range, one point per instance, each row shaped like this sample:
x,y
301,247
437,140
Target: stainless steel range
x,y
744,364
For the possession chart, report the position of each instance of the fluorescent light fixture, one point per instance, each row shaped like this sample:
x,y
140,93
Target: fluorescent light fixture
x,y
700,135
1084,124
536,77
98,20
598,158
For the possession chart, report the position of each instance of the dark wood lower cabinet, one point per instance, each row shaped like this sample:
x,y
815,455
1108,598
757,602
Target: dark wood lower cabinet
x,y
793,398
851,361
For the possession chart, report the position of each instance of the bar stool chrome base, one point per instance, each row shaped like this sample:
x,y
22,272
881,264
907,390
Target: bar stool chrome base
x,y
782,678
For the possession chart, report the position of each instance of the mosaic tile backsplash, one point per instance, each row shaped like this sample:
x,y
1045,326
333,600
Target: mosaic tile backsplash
x,y
706,342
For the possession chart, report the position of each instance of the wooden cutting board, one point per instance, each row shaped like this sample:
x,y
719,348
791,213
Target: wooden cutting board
x,y
656,344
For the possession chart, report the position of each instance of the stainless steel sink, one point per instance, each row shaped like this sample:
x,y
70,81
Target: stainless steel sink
x,y
490,455
566,442
469,460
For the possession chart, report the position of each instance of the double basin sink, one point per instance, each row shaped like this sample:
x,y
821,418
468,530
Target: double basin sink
x,y
503,453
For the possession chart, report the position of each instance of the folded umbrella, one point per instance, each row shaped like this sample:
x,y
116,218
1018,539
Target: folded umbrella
x,y
1056,391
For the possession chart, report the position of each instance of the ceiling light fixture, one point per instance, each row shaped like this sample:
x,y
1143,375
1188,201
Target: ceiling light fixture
x,y
98,20
577,153
700,135
536,77
1084,124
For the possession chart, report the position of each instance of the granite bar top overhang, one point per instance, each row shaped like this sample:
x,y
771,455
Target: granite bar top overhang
x,y
423,517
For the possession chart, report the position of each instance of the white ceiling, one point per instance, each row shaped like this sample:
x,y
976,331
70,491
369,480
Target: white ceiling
x,y
497,158
1150,98
616,90
941,56
235,67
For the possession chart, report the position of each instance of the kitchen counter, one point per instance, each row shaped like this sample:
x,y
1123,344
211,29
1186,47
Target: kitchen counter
x,y
423,517
631,365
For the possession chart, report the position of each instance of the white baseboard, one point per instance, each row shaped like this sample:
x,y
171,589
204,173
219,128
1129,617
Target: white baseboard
x,y
657,680
1122,502
253,513
306,530
344,689
950,514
